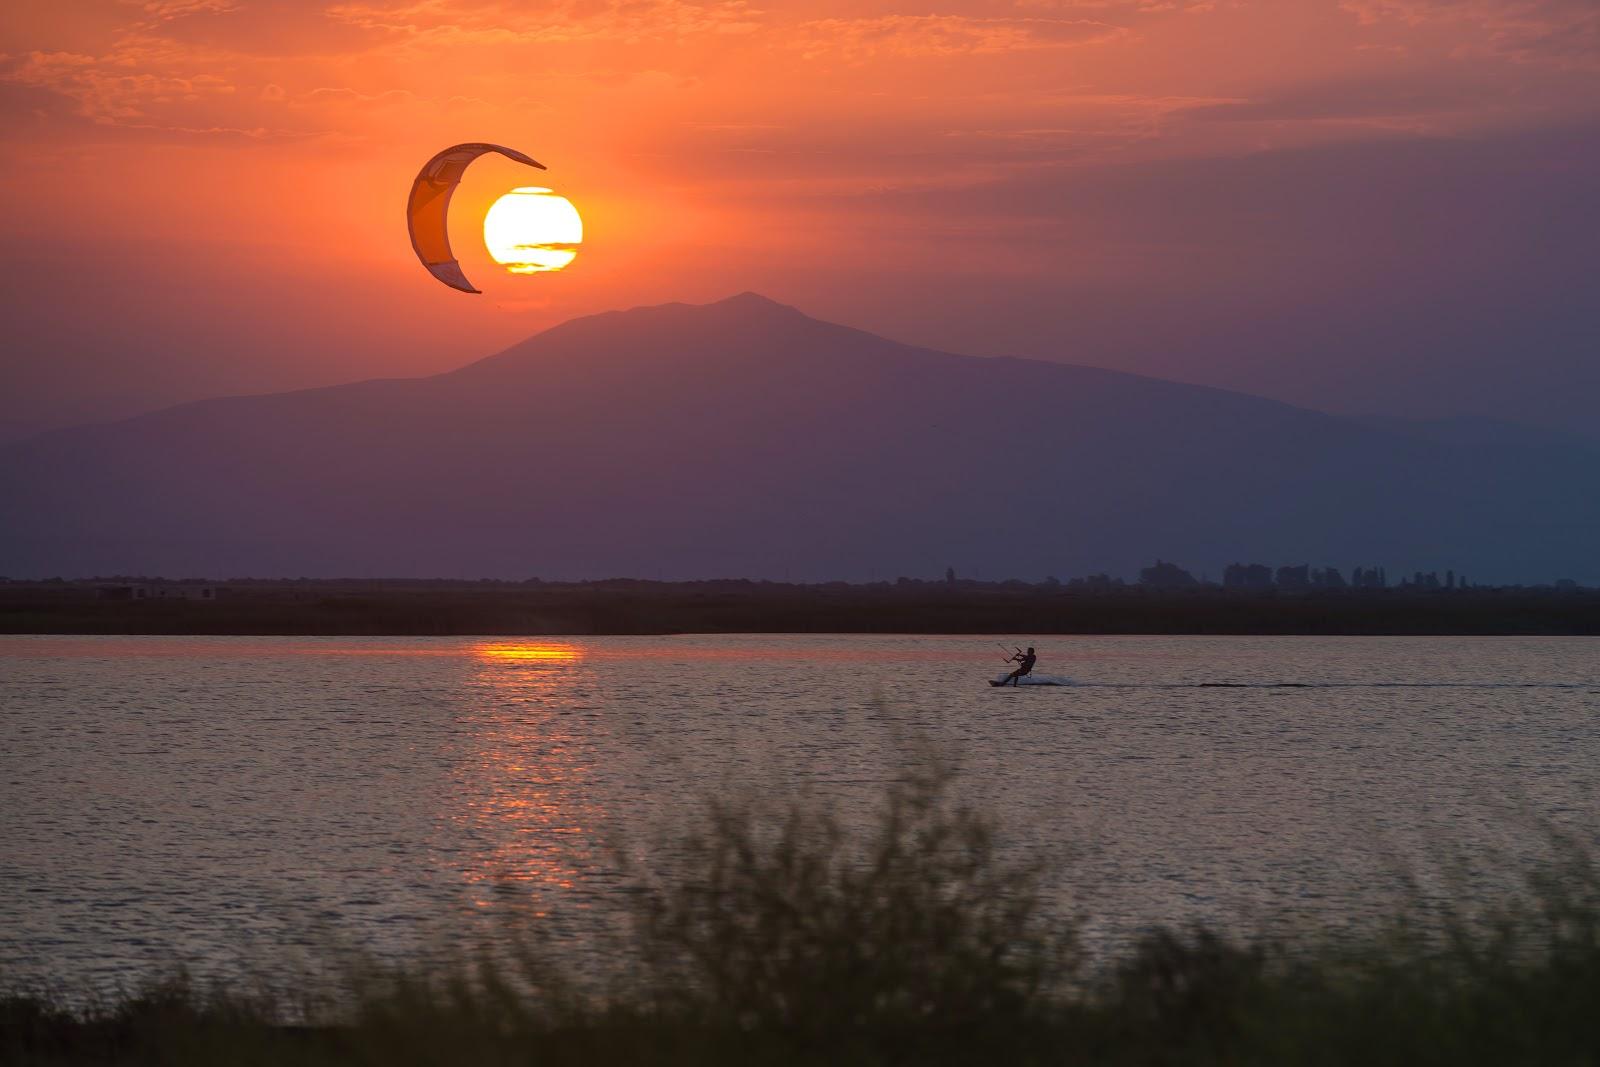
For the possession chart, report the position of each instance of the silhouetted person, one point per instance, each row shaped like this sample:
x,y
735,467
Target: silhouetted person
x,y
1024,661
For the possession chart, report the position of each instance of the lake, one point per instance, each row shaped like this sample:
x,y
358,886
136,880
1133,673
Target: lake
x,y
220,799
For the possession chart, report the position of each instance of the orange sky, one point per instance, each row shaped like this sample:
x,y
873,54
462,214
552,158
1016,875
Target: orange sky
x,y
207,193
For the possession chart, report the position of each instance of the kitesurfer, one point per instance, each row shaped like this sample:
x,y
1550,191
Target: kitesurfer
x,y
1025,662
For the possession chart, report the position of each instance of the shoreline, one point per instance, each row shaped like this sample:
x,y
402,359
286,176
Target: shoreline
x,y
372,609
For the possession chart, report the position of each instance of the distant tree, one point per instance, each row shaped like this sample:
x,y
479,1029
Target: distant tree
x,y
1294,577
1247,576
1332,579
1164,575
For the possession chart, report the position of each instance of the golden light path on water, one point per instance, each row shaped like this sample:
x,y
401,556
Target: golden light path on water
x,y
558,653
529,768
532,230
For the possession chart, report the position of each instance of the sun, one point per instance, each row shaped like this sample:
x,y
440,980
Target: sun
x,y
532,230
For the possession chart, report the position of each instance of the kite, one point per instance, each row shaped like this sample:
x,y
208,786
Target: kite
x,y
428,208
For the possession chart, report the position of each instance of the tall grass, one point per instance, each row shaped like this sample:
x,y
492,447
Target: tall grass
x,y
782,919
782,936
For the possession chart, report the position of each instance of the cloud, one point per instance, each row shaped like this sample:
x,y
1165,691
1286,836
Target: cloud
x,y
1140,7
344,94
265,29
1561,32
112,89
343,108
167,10
1424,104
461,22
947,35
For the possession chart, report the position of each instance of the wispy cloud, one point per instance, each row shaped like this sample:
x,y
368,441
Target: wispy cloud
x,y
167,10
461,22
859,39
116,88
1139,7
1563,32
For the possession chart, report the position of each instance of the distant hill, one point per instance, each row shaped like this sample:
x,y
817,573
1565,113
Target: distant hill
x,y
743,438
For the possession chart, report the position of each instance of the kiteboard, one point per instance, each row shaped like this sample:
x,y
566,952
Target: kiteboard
x,y
1031,679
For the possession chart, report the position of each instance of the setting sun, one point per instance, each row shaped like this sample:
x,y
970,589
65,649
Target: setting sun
x,y
531,230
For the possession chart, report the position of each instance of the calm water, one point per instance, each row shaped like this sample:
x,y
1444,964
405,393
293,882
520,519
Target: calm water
x,y
204,799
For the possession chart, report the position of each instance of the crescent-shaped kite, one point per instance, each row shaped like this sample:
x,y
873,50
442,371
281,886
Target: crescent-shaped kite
x,y
428,208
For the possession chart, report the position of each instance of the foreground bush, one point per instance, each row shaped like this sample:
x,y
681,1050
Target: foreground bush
x,y
785,939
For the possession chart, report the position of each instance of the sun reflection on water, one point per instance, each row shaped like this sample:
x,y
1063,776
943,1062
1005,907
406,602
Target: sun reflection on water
x,y
555,652
529,770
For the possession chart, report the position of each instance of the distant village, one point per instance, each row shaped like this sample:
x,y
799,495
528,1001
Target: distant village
x,y
1261,578
1161,576
1165,598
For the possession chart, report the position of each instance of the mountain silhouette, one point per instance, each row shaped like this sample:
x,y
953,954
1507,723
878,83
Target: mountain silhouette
x,y
744,438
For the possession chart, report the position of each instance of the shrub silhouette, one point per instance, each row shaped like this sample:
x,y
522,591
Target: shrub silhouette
x,y
785,919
